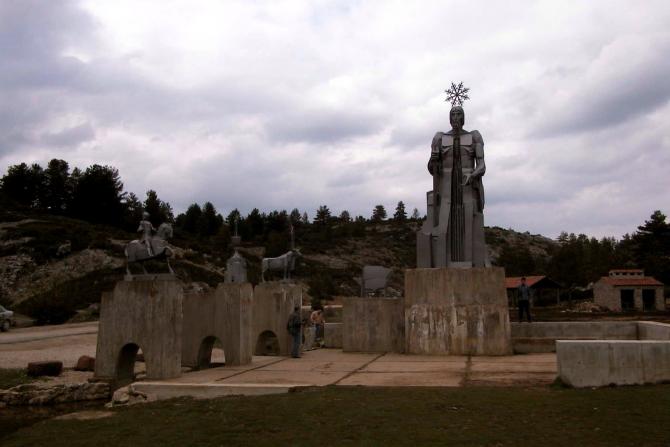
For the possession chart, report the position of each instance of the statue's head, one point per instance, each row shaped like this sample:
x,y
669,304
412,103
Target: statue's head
x,y
145,215
457,117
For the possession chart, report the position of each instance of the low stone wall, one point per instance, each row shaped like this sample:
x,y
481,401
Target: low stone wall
x,y
47,394
373,325
541,337
332,335
587,363
650,330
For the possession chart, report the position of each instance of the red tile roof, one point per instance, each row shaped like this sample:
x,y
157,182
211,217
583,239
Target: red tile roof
x,y
515,281
627,270
644,281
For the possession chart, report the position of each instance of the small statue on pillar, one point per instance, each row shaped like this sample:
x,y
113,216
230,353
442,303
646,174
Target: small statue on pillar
x,y
453,233
236,266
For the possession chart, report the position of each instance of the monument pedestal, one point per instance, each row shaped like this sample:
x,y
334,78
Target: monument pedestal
x,y
452,311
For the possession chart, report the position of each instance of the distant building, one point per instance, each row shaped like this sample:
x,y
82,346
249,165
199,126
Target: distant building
x,y
543,289
629,289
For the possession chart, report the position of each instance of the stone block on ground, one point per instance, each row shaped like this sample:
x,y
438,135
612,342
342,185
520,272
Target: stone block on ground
x,y
587,363
85,363
48,368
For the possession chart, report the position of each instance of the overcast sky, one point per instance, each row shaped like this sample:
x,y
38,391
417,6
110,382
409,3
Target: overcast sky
x,y
279,104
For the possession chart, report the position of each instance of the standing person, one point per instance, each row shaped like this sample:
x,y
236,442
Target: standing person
x,y
294,327
524,300
318,321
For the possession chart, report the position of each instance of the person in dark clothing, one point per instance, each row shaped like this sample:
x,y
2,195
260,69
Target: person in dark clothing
x,y
294,327
524,300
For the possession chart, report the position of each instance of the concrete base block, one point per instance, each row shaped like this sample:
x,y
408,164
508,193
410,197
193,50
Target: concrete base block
x,y
619,362
223,314
373,325
272,304
144,315
450,311
332,335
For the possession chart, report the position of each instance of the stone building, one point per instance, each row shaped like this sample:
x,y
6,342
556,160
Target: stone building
x,y
629,289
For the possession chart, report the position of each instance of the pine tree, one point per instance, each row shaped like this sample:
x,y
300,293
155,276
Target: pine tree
x,y
158,210
345,216
415,214
55,193
322,216
400,214
379,213
295,216
98,196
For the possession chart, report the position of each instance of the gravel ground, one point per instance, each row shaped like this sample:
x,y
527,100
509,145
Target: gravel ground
x,y
61,346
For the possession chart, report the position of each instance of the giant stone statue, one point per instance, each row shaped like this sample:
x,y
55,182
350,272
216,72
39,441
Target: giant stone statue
x,y
453,233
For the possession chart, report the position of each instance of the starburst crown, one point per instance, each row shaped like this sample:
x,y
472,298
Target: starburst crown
x,y
457,94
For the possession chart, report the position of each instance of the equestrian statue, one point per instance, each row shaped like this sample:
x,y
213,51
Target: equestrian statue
x,y
150,246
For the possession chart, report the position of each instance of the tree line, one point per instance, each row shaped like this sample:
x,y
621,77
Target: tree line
x,y
577,260
96,194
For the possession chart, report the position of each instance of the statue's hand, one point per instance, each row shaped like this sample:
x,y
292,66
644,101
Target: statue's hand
x,y
468,179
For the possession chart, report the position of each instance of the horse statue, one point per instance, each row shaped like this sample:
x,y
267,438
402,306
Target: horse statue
x,y
284,263
138,251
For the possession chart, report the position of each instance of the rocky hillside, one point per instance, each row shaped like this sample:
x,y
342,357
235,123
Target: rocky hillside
x,y
53,268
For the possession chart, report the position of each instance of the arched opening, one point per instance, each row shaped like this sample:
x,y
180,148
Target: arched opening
x,y
267,344
125,366
210,354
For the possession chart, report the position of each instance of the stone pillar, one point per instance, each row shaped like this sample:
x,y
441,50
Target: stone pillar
x,y
142,314
451,311
224,314
272,304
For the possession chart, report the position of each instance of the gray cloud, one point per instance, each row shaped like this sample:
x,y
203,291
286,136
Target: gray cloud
x,y
278,106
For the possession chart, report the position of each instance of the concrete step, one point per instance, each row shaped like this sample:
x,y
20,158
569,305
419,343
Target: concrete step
x,y
169,390
531,345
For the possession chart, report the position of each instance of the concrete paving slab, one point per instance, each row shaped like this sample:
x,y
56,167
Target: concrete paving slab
x,y
305,378
205,376
493,368
549,357
307,365
393,357
451,379
337,355
509,378
420,367
168,390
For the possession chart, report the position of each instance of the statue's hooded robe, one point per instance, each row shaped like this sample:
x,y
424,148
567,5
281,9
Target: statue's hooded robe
x,y
453,233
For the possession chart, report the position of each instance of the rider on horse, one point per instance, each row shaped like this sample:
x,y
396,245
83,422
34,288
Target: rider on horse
x,y
147,230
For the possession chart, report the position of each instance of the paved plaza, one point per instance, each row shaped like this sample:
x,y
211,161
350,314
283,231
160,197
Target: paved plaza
x,y
319,367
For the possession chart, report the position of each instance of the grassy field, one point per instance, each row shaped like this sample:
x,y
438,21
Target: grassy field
x,y
548,416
